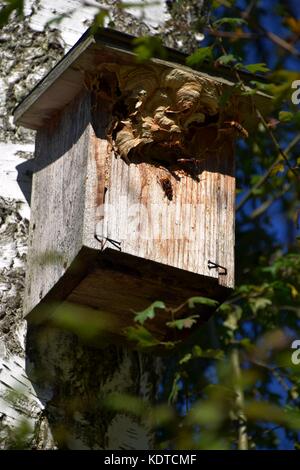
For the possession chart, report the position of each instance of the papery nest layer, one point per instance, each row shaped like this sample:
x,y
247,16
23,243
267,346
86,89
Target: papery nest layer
x,y
166,114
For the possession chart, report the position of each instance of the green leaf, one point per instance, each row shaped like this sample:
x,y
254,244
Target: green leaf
x,y
21,438
207,353
218,3
246,343
175,388
86,322
259,303
278,168
98,21
217,392
257,68
122,402
249,92
265,411
206,413
233,317
226,59
185,358
149,313
213,354
199,56
148,46
285,116
229,21
161,415
9,8
194,301
258,191
197,351
141,336
183,322
296,119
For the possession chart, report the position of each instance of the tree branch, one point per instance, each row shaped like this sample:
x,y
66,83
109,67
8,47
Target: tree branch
x,y
267,173
266,204
242,420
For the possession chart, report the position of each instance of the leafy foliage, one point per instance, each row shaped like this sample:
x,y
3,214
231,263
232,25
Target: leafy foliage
x,y
257,68
149,313
147,47
229,21
183,322
10,6
232,384
199,56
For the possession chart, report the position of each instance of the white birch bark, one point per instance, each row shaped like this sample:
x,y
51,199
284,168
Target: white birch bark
x,y
52,387
63,406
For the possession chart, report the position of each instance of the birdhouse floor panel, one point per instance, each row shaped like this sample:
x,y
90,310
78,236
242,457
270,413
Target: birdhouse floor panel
x,y
114,285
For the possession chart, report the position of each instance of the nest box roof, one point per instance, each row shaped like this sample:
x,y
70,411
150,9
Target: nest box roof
x,y
60,86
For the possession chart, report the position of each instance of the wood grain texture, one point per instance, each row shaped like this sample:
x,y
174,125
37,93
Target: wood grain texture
x,y
86,196
58,199
110,286
195,227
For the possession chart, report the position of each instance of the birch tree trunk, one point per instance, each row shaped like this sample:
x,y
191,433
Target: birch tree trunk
x,y
52,386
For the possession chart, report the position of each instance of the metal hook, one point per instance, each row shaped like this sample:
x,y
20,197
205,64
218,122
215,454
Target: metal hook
x,y
115,243
212,265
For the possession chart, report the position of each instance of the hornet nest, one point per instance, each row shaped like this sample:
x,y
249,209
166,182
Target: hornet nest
x,y
160,114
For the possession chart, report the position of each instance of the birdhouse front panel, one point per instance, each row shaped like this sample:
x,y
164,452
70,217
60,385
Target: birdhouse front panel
x,y
172,217
168,168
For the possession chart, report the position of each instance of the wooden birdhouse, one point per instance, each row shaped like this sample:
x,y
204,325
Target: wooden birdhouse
x,y
133,189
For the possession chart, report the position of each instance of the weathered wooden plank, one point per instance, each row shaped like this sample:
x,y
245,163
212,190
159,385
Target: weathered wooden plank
x,y
227,213
195,227
97,175
58,199
119,284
